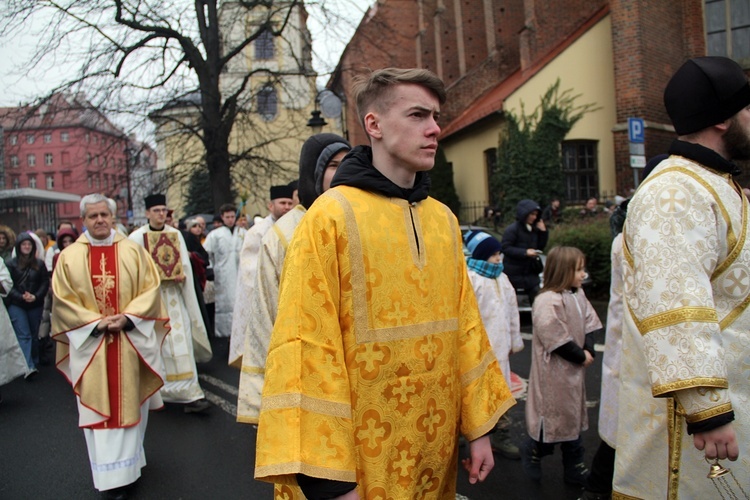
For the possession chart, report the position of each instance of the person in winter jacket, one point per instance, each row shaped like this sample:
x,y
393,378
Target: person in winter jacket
x,y
522,242
26,299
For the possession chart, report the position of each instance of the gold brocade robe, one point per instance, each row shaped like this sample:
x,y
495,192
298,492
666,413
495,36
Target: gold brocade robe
x,y
378,357
81,302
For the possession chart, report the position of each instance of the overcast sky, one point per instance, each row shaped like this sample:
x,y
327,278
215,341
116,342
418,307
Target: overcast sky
x,y
17,86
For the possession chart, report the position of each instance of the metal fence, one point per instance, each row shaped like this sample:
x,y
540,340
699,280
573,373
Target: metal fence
x,y
478,212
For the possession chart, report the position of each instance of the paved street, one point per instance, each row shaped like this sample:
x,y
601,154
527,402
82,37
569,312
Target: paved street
x,y
191,456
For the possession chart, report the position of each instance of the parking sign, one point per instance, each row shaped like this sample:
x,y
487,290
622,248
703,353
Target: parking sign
x,y
636,130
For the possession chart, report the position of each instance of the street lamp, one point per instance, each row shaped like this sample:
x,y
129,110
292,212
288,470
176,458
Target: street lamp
x,y
316,122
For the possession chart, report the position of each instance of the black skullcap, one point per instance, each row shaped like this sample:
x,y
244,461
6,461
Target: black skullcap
x,y
283,191
154,200
705,91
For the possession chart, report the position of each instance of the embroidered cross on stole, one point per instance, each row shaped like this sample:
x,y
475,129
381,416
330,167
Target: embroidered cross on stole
x,y
116,349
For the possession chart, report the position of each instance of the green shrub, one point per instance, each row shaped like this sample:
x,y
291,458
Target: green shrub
x,y
594,239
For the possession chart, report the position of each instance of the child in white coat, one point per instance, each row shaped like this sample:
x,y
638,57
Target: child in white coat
x,y
496,298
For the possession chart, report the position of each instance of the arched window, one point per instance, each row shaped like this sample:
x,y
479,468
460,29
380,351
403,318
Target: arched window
x,y
264,48
267,102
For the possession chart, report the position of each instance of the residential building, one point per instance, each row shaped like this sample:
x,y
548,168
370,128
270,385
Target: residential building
x,y
65,145
501,56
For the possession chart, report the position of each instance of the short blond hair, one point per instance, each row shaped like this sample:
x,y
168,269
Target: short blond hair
x,y
560,268
372,90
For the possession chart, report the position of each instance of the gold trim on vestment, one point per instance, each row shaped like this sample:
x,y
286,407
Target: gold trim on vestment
x,y
691,314
710,413
296,400
663,389
253,369
408,331
674,433
625,250
413,230
731,238
735,246
271,472
478,370
179,376
740,308
282,238
492,421
623,496
734,314
247,420
357,271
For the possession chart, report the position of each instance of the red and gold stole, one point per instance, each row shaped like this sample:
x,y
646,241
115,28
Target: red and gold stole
x,y
103,268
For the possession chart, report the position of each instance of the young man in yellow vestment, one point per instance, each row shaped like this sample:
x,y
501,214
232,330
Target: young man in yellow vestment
x,y
109,324
378,358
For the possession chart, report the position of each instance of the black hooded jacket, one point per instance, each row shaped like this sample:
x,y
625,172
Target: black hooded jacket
x,y
308,159
356,170
33,278
516,240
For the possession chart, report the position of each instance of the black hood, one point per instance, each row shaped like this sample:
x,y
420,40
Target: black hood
x,y
524,208
308,159
357,170
25,237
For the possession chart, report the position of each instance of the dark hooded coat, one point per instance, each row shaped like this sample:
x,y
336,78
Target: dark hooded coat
x,y
517,238
32,278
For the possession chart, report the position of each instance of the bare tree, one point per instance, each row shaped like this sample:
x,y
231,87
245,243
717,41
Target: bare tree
x,y
186,67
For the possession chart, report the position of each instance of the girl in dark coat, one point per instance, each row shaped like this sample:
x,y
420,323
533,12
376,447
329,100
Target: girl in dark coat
x,y
25,300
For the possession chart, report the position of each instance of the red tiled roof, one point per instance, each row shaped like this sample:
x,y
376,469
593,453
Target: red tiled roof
x,y
492,101
58,111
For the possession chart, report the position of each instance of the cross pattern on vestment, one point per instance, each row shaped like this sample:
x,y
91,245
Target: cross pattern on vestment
x,y
673,203
104,284
736,281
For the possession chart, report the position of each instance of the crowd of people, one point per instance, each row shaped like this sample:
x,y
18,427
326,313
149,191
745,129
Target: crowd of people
x,y
366,339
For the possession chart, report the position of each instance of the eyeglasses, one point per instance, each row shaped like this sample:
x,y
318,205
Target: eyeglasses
x,y
159,210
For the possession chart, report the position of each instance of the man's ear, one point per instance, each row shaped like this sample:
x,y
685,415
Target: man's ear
x,y
723,126
269,205
372,125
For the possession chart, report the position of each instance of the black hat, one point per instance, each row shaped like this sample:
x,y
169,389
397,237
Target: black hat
x,y
283,191
705,91
154,200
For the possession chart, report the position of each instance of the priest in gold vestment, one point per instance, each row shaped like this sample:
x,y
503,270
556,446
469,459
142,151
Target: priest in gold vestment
x,y
684,386
188,340
109,325
378,358
320,156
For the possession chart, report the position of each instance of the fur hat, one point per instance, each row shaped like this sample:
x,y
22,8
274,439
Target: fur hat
x,y
705,91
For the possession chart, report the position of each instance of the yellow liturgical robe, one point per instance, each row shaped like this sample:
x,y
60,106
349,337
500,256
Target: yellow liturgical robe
x,y
378,357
